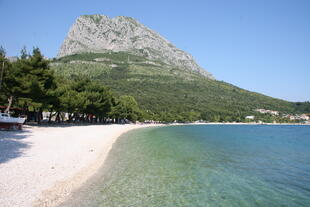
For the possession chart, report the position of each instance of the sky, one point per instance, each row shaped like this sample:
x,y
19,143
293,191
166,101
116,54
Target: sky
x,y
258,45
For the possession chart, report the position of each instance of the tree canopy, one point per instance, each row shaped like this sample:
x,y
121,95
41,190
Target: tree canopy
x,y
30,84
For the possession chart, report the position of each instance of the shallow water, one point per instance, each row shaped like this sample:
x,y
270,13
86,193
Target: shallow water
x,y
204,165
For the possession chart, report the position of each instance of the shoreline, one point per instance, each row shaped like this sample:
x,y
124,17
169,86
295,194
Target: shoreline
x,y
50,162
41,166
250,123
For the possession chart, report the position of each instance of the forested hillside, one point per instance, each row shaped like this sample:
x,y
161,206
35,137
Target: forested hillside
x,y
165,91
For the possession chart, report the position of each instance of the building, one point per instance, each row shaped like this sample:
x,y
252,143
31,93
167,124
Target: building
x,y
250,117
265,111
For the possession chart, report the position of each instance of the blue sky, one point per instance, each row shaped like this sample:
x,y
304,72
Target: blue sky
x,y
262,46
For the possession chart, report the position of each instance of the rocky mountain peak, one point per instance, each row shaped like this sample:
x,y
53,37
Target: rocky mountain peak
x,y
99,33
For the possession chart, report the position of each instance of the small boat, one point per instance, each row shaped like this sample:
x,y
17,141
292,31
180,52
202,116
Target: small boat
x,y
8,122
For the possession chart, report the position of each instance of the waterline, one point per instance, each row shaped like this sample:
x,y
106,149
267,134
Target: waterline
x,y
204,166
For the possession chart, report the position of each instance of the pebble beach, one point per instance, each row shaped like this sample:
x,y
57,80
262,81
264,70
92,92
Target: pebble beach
x,y
40,166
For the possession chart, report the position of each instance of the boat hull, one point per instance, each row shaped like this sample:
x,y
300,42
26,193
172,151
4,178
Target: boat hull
x,y
10,126
7,122
12,120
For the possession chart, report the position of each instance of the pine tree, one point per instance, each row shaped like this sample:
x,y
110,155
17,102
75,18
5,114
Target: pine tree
x,y
30,81
126,108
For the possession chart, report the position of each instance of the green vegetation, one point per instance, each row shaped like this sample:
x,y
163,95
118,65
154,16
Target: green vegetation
x,y
28,81
95,18
32,86
108,57
126,107
168,93
98,87
302,107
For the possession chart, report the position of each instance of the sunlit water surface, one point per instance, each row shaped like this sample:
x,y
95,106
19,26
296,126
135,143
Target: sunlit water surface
x,y
204,165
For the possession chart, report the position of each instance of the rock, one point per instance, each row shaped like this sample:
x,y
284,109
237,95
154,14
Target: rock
x,y
99,33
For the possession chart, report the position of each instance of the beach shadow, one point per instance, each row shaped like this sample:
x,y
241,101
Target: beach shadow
x,y
12,145
67,125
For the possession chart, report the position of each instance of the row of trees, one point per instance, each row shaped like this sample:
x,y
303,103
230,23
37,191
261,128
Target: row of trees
x,y
31,85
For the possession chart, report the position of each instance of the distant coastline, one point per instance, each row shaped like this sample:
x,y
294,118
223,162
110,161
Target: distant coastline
x,y
237,123
250,123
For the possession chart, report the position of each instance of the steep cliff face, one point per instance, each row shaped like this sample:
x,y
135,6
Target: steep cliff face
x,y
99,34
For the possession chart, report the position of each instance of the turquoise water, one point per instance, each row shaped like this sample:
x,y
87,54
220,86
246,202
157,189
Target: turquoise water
x,y
205,165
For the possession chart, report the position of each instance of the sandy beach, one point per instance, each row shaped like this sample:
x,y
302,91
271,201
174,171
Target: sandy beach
x,y
40,166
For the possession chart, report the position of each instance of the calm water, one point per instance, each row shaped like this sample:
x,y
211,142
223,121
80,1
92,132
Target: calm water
x,y
211,165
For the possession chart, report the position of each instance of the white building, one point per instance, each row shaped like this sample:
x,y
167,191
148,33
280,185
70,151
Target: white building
x,y
265,111
250,117
304,117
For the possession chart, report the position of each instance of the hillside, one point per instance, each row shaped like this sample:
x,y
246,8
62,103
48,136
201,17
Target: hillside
x,y
100,34
166,90
168,84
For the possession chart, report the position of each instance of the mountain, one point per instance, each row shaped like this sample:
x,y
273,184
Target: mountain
x,y
166,82
99,33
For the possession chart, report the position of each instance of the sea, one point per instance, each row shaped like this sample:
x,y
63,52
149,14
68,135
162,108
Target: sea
x,y
203,165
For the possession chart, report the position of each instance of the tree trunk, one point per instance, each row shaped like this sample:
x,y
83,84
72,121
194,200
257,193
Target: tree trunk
x,y
57,117
70,117
28,114
9,105
75,117
1,75
35,115
62,117
39,115
51,116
